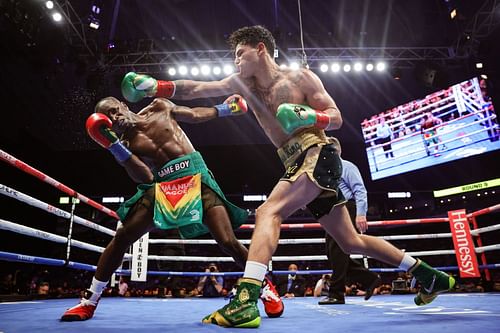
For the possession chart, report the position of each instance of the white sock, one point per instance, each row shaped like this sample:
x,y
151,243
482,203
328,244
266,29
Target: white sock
x,y
96,288
255,270
407,262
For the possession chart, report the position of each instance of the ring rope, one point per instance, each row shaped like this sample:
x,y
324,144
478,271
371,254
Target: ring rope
x,y
10,192
24,230
58,262
43,177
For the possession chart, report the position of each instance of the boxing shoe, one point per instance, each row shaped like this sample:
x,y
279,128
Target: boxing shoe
x,y
83,310
242,311
273,305
432,282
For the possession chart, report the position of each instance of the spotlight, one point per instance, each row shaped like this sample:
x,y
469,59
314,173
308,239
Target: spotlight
x,y
94,23
323,68
182,70
49,4
294,66
479,65
396,73
335,67
195,71
381,66
358,67
172,71
57,17
453,13
347,68
369,67
228,69
216,70
205,69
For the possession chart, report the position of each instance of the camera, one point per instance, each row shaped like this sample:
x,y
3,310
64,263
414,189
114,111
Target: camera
x,y
211,268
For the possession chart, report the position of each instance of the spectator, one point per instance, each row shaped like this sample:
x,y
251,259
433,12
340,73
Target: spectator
x,y
211,286
291,285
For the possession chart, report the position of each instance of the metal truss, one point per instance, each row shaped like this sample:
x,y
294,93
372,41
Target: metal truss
x,y
76,28
480,27
145,56
402,57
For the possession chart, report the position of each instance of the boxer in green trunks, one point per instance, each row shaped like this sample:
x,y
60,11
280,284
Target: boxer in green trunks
x,y
177,190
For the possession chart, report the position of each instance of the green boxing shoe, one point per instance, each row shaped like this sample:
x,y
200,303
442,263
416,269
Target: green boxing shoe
x,y
432,282
242,311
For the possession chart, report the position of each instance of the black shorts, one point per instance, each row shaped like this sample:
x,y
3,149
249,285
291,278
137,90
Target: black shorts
x,y
323,165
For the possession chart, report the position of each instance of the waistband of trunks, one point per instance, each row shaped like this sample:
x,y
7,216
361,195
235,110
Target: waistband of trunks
x,y
299,143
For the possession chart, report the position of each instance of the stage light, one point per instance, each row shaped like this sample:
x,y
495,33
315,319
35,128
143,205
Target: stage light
x,y
228,69
195,71
479,65
216,70
182,70
381,66
94,23
453,13
49,4
57,17
369,67
335,67
347,68
396,73
172,71
113,199
205,70
294,66
358,67
323,68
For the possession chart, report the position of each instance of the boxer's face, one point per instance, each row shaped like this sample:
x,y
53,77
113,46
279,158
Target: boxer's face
x,y
246,59
119,114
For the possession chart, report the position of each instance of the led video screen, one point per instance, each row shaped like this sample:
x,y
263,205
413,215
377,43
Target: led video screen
x,y
444,126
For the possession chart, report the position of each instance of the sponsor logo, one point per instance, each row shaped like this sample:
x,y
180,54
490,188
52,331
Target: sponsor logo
x,y
298,109
173,168
462,241
291,149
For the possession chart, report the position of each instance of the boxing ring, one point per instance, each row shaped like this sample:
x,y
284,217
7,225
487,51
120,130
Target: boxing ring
x,y
451,312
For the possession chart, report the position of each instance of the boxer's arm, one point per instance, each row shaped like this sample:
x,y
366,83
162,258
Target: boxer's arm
x,y
232,106
193,115
138,86
138,170
318,98
190,89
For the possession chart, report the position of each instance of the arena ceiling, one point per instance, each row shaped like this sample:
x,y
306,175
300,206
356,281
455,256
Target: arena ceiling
x,y
54,72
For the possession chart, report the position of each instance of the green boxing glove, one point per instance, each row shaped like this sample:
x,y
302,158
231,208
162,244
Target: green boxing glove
x,y
138,86
294,116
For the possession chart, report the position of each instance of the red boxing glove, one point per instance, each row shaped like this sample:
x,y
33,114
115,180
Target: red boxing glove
x,y
99,129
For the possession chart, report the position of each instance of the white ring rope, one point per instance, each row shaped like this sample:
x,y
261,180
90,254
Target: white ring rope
x,y
24,230
292,241
478,231
5,190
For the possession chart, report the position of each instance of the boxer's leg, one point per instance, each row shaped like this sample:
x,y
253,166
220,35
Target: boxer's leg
x,y
138,221
339,226
217,221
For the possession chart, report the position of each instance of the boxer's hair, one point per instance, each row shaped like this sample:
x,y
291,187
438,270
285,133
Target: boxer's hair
x,y
253,36
103,101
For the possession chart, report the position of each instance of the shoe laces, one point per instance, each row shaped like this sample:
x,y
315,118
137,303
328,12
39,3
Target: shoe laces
x,y
268,294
